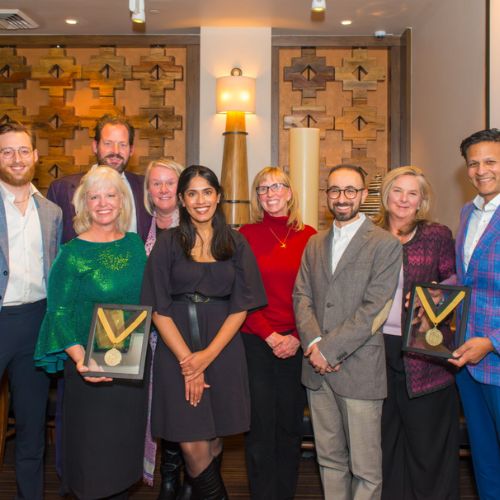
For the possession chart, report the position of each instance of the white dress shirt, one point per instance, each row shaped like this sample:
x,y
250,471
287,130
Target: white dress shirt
x,y
478,222
26,282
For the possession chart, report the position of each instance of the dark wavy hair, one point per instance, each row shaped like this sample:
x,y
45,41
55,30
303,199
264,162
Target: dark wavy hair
x,y
223,246
488,135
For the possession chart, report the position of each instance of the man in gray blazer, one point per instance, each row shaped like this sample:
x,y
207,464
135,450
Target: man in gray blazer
x,y
342,296
30,230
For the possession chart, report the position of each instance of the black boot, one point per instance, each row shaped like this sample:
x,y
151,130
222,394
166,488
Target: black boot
x,y
186,492
170,470
209,485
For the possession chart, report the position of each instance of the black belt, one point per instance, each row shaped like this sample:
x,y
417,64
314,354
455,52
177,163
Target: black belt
x,y
192,299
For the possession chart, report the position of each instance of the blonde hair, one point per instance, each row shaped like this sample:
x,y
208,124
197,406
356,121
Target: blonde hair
x,y
172,165
100,176
256,210
382,219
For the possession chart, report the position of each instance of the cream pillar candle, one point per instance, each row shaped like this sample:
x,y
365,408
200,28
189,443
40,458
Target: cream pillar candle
x,y
304,171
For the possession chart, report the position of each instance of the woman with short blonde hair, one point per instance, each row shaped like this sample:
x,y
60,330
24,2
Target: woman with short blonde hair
x,y
420,413
292,206
423,210
103,176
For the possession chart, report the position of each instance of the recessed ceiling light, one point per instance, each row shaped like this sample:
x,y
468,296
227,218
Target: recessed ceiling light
x,y
71,21
346,22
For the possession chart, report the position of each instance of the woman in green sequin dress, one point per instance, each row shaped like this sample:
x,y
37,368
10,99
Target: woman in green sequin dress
x,y
103,419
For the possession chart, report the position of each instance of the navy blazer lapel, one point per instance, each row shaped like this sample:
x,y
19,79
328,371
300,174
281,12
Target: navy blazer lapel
x,y
355,245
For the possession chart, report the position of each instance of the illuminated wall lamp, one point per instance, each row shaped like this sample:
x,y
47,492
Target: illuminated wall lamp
x,y
136,8
235,98
318,5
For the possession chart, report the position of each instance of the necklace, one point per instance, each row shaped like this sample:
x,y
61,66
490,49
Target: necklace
x,y
281,242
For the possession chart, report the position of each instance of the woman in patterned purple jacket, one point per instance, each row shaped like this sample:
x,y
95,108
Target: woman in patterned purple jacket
x,y
420,415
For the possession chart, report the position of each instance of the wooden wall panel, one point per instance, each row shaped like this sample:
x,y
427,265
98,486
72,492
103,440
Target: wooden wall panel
x,y
61,91
343,91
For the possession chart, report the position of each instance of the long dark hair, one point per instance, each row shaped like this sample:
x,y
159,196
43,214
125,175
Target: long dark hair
x,y
222,246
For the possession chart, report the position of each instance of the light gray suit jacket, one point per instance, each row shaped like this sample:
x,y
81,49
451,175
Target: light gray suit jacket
x,y
51,223
347,309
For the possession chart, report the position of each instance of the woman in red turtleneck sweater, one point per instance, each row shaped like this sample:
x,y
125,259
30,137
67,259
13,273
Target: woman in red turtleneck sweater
x,y
271,341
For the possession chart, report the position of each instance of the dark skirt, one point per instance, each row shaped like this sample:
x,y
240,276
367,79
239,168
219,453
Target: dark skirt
x,y
224,408
103,435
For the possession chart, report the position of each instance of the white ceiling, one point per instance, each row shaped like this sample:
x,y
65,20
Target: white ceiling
x,y
108,17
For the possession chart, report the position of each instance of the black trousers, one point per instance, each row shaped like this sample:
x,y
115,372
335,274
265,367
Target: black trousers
x,y
420,437
272,446
29,388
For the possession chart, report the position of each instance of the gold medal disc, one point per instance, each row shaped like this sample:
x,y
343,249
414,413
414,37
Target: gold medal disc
x,y
113,357
433,337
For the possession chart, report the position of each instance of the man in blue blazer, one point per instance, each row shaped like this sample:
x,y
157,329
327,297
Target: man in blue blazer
x,y
478,266
113,145
30,230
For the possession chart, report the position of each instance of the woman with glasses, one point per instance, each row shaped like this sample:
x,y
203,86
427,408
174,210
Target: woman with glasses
x,y
274,356
420,414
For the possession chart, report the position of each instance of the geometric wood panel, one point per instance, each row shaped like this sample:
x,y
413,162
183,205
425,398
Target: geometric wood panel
x,y
343,91
75,86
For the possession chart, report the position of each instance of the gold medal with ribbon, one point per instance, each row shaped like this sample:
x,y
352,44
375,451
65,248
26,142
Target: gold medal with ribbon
x,y
434,336
113,356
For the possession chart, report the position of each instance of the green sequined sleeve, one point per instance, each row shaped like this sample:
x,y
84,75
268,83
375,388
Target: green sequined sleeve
x,y
59,329
84,274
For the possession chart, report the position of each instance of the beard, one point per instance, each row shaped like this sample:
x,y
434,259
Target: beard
x,y
344,216
111,161
17,179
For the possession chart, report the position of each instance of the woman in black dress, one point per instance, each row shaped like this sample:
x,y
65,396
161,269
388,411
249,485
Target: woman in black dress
x,y
201,279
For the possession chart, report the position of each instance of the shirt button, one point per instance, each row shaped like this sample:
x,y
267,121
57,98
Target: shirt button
x,y
5,273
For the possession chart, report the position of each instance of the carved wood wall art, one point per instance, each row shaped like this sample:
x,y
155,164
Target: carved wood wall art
x,y
60,92
343,92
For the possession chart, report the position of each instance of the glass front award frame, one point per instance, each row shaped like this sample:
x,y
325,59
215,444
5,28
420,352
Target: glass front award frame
x,y
118,341
432,329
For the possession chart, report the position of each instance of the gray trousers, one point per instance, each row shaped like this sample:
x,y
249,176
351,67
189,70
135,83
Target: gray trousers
x,y
348,444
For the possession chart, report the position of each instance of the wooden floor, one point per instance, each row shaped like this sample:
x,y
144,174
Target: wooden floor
x,y
234,472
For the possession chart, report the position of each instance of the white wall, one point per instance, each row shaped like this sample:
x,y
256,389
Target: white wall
x,y
448,82
221,50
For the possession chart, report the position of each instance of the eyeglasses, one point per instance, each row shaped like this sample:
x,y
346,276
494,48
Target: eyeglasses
x,y
9,153
349,192
275,188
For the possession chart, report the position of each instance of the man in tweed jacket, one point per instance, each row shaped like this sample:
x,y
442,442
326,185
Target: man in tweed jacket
x,y
478,266
342,296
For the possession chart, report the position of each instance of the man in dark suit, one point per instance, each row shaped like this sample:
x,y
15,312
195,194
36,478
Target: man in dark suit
x,y
342,296
113,145
30,230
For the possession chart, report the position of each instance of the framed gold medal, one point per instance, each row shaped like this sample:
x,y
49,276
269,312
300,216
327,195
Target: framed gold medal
x,y
436,319
118,341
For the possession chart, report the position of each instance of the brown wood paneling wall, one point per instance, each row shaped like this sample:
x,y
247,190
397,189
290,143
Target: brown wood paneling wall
x,y
60,86
355,90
